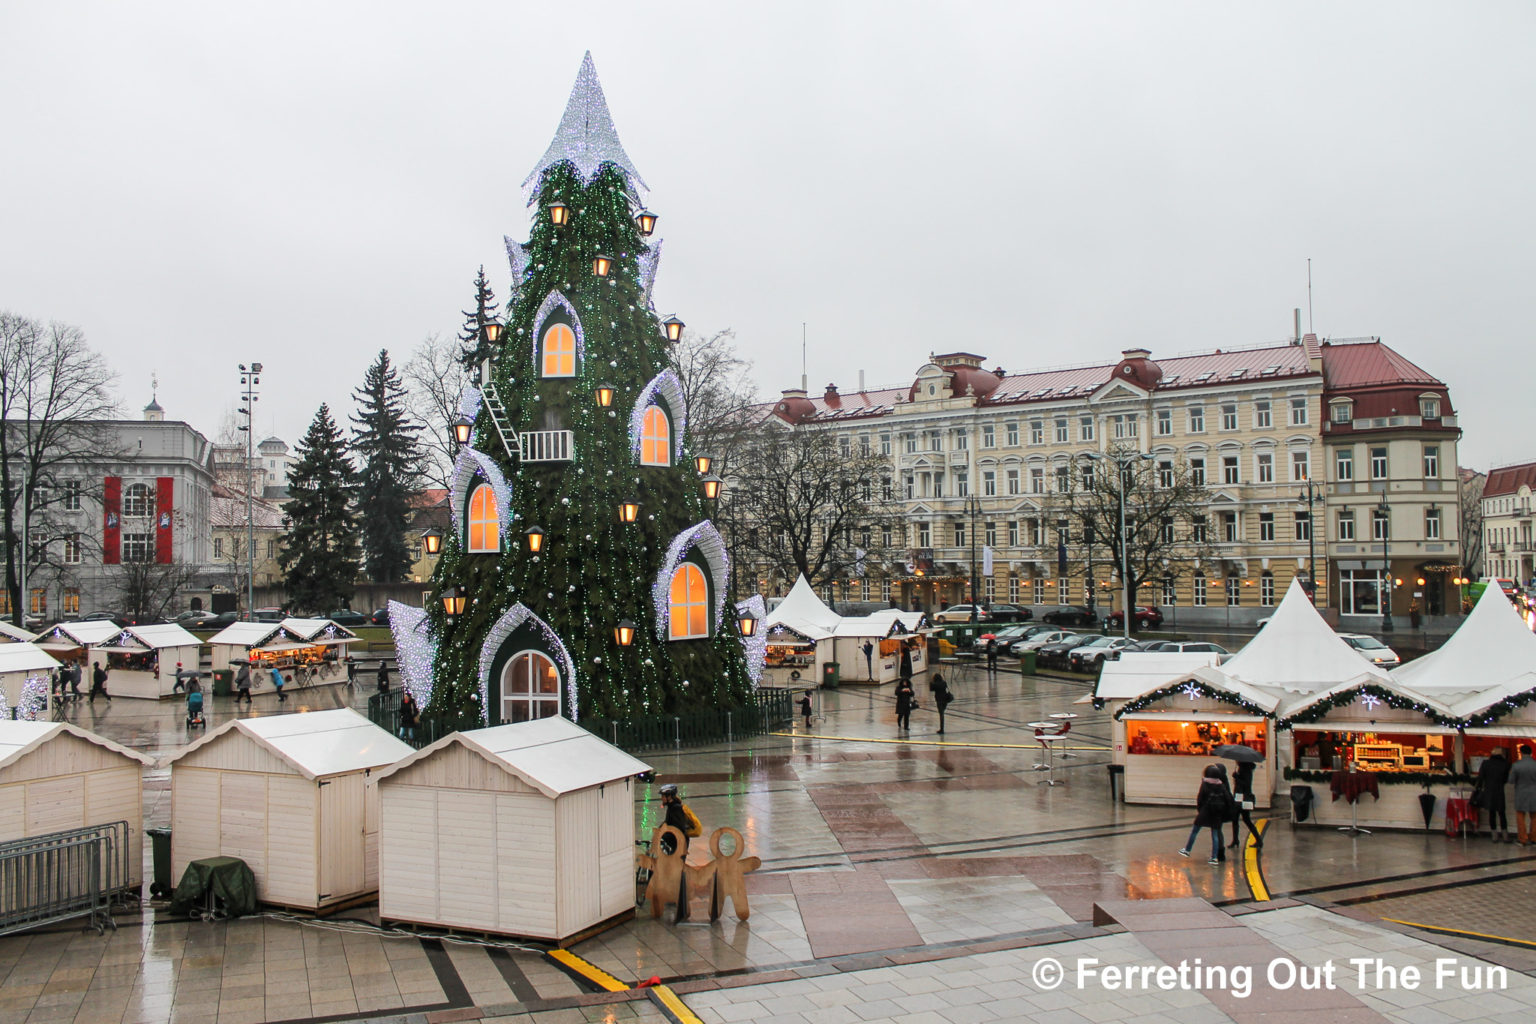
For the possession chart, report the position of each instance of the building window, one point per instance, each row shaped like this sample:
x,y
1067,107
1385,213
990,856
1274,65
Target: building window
x,y
271,549
935,440
1165,474
138,501
218,547
1087,475
1344,464
1197,530
559,351
1167,529
989,436
1063,479
71,600
938,485
1304,525
989,589
1170,592
1036,532
1229,416
39,601
1061,430
989,484
1234,591
689,616
1013,590
1037,432
1266,526
1037,480
1262,420
484,520
1229,527
72,549
655,438
1165,423
1381,525
71,498
1342,412
962,486
1267,589
911,444
530,688
138,547
1229,469
924,535
1299,416
1011,434
1266,464
1012,476
1085,428
1432,524
1431,461
1063,591
1346,524
845,446
909,485
962,441
885,590
1359,592
1197,419
990,535
1378,463
1125,426
959,535
1197,472
885,444
1198,585
1429,408
1013,533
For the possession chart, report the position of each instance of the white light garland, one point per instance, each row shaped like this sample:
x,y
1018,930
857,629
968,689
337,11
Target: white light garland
x,y
649,260
665,385
586,138
415,649
553,301
756,645
469,402
517,258
505,626
471,464
707,539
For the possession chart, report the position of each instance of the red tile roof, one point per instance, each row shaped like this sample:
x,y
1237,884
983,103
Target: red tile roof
x,y
1357,364
1507,479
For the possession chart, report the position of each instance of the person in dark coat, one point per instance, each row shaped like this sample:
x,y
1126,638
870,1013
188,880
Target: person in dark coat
x,y
1490,780
941,697
806,709
1242,789
906,663
410,717
243,684
992,656
383,677
1211,803
1523,775
906,699
869,658
99,682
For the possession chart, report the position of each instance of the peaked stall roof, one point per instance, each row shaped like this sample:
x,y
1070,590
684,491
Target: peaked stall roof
x,y
317,743
804,612
1297,651
586,136
22,656
165,634
1137,672
315,629
247,634
554,755
12,632
17,739
1491,649
83,634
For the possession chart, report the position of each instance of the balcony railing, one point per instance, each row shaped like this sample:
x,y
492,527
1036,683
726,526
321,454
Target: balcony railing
x,y
546,445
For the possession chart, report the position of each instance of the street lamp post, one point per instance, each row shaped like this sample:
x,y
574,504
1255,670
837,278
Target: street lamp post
x,y
973,508
248,381
1386,566
1309,497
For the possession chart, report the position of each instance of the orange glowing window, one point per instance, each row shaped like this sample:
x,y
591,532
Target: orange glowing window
x,y
559,351
484,520
690,603
655,438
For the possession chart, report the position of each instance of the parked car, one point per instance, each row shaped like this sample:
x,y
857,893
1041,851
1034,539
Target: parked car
x,y
1008,635
348,617
1173,646
958,613
1009,613
1088,657
1372,649
268,615
1039,640
1145,617
1055,653
1070,615
1015,642
380,616
194,619
221,620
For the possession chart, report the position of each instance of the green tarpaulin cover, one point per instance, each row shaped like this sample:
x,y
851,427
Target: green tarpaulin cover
x,y
228,879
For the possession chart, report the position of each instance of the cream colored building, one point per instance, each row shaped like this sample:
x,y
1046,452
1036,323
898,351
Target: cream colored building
x,y
1507,517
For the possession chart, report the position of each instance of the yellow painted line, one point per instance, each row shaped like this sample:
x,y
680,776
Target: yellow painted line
x,y
596,975
673,1006
932,743
1256,884
1459,931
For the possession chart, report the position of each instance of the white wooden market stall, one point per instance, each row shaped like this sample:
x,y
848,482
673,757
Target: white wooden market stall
x,y
803,635
525,829
309,652
73,643
24,664
10,633
141,661
294,796
55,776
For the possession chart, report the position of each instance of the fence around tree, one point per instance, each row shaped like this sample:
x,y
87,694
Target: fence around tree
x,y
772,708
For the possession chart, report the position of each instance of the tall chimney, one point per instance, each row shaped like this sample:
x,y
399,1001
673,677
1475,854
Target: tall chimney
x,y
1296,333
861,381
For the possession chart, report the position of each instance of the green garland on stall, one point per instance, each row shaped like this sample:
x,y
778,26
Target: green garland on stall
x,y
1183,687
1507,706
1320,710
1385,778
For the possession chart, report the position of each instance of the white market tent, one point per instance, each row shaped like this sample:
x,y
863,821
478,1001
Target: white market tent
x,y
1492,649
525,829
55,776
803,620
294,796
1299,654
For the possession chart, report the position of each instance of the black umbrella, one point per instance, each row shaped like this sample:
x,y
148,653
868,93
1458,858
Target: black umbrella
x,y
1427,805
1238,752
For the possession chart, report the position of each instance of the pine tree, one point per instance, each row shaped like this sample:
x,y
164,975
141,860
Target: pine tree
x,y
389,471
320,557
476,348
561,462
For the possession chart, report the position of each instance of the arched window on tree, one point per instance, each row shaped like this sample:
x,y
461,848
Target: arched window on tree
x,y
655,438
558,351
689,616
484,520
530,687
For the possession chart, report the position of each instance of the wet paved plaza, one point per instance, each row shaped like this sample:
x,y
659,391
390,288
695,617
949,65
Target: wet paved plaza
x,y
911,877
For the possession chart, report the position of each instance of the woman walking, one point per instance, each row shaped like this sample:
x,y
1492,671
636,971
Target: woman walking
x,y
1242,788
1211,804
906,700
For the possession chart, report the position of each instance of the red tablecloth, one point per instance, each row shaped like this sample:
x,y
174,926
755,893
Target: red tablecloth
x,y
1351,785
1459,813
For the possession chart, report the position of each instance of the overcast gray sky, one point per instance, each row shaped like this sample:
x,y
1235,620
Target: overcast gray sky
x,y
200,184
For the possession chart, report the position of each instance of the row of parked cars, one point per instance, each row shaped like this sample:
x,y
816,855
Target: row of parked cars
x,y
1064,648
1144,617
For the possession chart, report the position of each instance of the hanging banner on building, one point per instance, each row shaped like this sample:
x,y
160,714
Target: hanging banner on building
x,y
164,500
986,560
1061,558
112,521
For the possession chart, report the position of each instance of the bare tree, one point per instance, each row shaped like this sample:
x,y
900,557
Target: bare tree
x,y
1167,519
806,504
146,589
718,391
55,393
1471,501
434,380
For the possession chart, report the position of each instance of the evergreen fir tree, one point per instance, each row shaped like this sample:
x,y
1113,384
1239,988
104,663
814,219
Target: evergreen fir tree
x,y
537,633
389,471
476,348
320,556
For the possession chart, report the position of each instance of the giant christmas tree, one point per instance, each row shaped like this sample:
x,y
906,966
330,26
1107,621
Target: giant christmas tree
x,y
577,418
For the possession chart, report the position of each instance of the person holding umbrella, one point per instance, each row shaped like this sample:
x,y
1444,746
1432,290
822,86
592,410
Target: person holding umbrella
x,y
1242,786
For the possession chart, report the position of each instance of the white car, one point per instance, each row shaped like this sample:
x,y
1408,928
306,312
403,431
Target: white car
x,y
1087,657
1039,640
1373,650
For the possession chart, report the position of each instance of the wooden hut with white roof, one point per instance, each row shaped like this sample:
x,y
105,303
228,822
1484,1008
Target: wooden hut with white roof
x,y
309,652
73,642
524,829
291,795
141,661
21,663
55,776
10,633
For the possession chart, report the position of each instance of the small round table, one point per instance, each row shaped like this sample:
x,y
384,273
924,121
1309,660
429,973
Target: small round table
x,y
1049,743
1064,719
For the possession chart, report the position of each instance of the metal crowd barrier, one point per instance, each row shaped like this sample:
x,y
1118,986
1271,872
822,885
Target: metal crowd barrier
x,y
61,875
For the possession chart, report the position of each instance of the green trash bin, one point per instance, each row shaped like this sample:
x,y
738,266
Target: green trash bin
x,y
1027,662
829,676
160,843
223,683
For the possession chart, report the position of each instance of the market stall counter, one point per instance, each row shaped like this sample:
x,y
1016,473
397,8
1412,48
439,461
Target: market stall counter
x,y
308,652
140,661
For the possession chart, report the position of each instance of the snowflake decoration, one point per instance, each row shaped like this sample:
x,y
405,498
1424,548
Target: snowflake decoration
x,y
330,631
1370,701
1191,691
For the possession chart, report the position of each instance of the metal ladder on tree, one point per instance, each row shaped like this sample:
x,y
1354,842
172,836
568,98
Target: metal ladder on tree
x,y
498,413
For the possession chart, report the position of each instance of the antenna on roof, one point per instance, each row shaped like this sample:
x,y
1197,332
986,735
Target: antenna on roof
x,y
1309,296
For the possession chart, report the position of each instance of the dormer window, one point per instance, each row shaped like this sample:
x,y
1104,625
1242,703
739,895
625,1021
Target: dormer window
x,y
1429,407
1342,412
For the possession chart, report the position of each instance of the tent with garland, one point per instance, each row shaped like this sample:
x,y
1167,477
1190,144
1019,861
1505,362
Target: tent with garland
x,y
581,574
803,636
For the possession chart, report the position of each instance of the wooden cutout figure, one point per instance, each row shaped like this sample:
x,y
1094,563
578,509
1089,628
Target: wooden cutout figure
x,y
729,875
669,873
